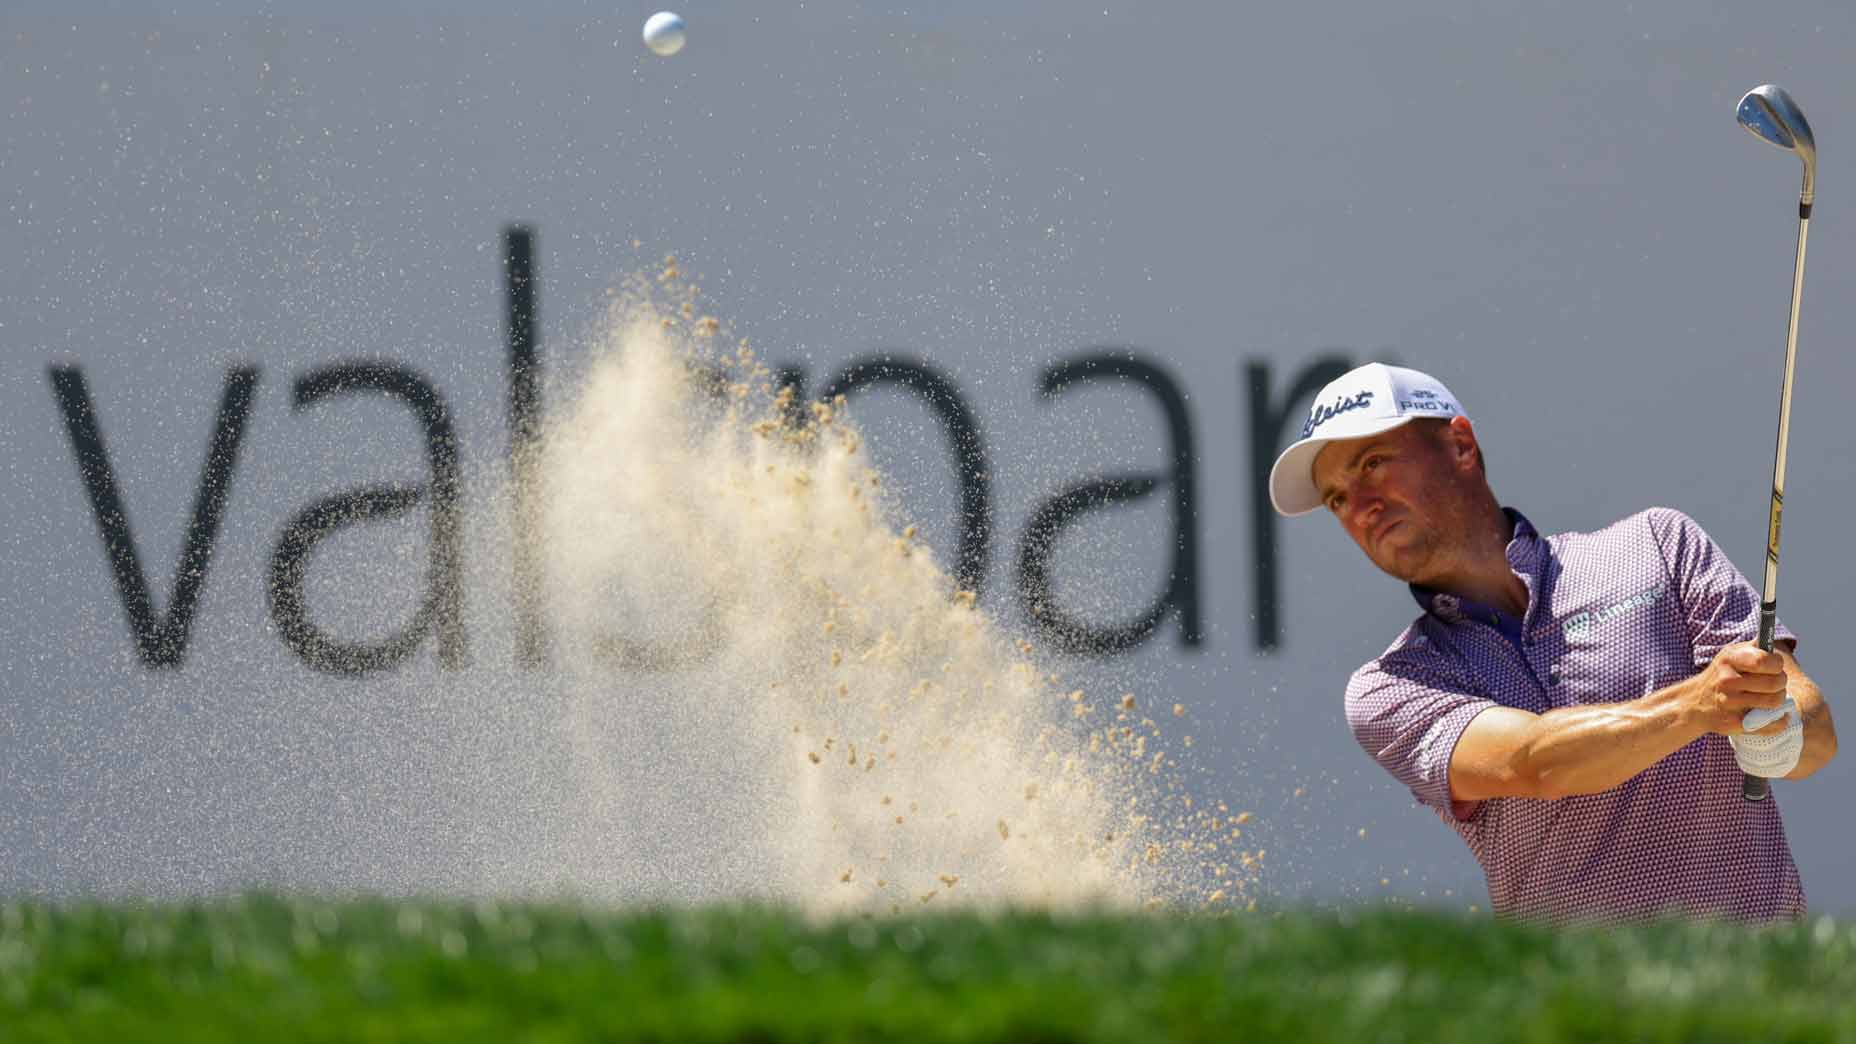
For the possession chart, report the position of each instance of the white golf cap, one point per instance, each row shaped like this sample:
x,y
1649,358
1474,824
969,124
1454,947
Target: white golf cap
x,y
1363,401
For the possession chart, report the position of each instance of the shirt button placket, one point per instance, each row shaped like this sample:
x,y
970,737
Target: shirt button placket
x,y
1548,671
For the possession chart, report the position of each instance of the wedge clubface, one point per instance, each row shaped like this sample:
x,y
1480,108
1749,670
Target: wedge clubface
x,y
1770,114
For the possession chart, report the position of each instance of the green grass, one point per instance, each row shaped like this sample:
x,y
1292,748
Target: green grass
x,y
272,969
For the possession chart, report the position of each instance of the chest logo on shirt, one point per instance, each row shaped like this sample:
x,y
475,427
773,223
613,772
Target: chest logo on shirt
x,y
1580,624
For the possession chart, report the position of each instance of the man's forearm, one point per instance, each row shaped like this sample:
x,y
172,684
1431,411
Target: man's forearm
x,y
1820,745
1592,748
1820,733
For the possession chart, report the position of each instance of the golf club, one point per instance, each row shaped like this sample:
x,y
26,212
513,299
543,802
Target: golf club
x,y
1769,113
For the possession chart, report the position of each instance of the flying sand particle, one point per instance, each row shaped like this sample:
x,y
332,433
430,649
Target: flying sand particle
x,y
661,504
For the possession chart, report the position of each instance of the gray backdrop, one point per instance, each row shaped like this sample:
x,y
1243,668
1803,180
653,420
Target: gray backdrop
x,y
1548,206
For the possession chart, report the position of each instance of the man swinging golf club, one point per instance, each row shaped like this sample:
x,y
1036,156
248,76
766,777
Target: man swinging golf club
x,y
1572,704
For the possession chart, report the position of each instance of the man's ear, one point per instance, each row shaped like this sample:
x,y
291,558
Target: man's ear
x,y
1461,436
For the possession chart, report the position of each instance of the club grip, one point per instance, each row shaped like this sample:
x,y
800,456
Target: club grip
x,y
1758,788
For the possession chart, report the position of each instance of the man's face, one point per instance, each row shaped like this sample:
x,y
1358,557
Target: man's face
x,y
1399,495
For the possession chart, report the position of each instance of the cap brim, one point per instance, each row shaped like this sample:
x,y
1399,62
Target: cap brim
x,y
1292,478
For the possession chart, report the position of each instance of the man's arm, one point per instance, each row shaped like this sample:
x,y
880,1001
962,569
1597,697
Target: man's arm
x,y
1820,733
1585,750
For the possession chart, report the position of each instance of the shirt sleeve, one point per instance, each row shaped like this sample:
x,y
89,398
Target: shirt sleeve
x,y
1720,606
1408,719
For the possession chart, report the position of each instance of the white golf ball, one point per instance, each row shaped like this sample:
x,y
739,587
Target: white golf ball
x,y
663,33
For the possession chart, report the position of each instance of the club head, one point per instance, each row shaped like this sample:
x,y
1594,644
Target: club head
x,y
1769,113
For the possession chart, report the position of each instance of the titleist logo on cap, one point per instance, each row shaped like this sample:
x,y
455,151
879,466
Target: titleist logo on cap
x,y
1322,413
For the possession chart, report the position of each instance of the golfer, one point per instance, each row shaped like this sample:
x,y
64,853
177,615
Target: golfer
x,y
1569,704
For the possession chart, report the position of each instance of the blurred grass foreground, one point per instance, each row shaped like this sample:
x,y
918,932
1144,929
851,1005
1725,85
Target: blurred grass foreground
x,y
264,968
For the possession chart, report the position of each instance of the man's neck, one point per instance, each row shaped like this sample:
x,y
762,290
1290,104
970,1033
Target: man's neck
x,y
1482,573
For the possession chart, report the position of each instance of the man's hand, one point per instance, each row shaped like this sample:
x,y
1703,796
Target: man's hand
x,y
1747,684
1773,751
1741,678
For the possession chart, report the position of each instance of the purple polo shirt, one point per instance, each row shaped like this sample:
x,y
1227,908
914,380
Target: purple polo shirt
x,y
1611,616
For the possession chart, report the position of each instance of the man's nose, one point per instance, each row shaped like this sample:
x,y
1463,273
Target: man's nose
x,y
1365,505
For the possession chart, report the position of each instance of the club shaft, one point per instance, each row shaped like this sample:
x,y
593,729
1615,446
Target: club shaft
x,y
1756,788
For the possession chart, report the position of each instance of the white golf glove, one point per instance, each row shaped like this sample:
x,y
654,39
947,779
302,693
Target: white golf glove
x,y
1772,755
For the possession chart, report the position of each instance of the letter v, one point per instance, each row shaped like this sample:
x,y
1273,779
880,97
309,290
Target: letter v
x,y
163,642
